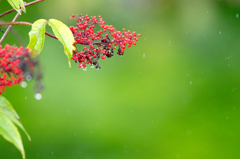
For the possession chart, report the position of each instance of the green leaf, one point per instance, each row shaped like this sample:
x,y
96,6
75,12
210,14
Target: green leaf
x,y
8,130
37,36
65,36
7,109
21,3
15,5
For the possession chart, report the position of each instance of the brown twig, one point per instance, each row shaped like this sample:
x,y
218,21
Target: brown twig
x,y
24,23
15,23
26,5
8,29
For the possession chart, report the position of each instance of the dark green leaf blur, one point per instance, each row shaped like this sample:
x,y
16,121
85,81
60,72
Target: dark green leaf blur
x,y
175,95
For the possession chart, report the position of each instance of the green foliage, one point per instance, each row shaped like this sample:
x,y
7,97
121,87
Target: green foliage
x,y
37,36
9,117
16,5
21,3
65,36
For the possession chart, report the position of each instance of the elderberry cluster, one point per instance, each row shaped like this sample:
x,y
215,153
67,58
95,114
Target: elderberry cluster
x,y
14,63
101,43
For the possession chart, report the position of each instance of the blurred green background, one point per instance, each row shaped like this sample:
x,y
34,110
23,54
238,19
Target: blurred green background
x,y
173,95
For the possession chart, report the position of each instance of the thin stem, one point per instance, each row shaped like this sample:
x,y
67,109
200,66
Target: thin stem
x,y
26,5
15,23
50,35
8,29
24,23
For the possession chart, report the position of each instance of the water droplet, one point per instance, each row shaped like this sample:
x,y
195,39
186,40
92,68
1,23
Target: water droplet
x,y
220,32
131,111
85,69
143,55
227,117
25,98
144,38
38,96
207,11
17,116
28,77
228,64
169,42
52,152
139,72
92,66
130,25
186,32
190,82
237,15
91,131
24,84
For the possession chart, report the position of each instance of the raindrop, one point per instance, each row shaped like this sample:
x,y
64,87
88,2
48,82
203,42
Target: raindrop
x,y
228,64
144,38
220,32
52,152
143,55
186,32
138,19
187,74
139,72
92,66
98,67
237,15
190,82
227,117
131,111
85,69
38,96
169,42
28,77
24,84
25,98
207,11
130,25
91,131
17,116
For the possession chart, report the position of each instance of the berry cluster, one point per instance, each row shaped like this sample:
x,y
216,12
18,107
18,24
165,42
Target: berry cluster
x,y
14,62
102,43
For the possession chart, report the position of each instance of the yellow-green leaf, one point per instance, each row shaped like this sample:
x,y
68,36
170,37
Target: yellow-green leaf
x,y
15,5
8,130
7,109
21,3
65,36
37,36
